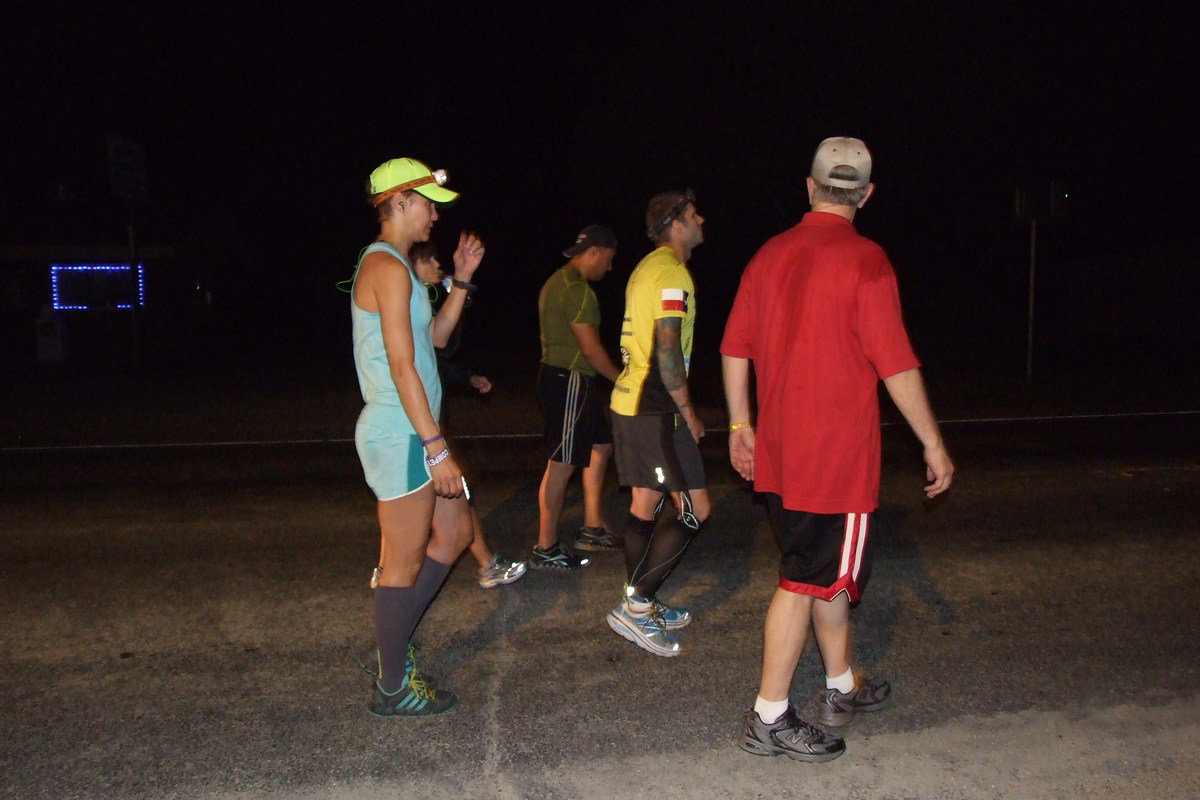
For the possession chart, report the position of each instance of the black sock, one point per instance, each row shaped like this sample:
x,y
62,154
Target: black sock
x,y
394,606
398,610
430,579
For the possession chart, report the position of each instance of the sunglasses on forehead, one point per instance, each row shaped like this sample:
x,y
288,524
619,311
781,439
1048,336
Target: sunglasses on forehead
x,y
656,230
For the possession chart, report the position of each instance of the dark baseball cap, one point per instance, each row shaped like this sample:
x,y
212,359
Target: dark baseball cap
x,y
592,236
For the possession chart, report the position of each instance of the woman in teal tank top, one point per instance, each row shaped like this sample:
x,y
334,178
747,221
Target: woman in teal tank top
x,y
424,517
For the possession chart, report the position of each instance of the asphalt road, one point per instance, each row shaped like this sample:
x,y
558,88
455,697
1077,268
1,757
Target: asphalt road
x,y
184,622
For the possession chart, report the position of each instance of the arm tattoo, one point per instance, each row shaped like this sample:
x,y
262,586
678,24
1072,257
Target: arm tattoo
x,y
669,353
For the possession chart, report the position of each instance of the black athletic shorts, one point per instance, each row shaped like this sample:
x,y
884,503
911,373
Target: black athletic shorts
x,y
822,554
656,451
575,407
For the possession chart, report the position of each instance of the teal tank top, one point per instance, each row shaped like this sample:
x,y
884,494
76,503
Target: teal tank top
x,y
370,358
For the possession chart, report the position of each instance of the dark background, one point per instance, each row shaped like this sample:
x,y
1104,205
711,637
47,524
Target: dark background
x,y
260,126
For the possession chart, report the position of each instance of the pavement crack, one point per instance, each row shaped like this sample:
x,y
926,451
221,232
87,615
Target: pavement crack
x,y
505,663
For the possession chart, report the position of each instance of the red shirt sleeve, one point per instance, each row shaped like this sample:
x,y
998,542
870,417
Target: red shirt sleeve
x,y
880,323
738,340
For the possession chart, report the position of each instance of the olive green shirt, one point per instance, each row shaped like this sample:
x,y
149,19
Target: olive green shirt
x,y
566,299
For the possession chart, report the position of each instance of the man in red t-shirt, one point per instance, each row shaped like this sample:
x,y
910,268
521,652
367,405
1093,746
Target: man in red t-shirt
x,y
818,312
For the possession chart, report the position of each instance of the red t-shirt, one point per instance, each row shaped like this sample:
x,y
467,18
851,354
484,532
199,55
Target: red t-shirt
x,y
818,312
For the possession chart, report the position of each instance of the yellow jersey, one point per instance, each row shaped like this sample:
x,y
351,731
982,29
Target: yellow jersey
x,y
659,287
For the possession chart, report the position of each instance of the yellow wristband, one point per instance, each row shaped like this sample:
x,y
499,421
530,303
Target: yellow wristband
x,y
737,426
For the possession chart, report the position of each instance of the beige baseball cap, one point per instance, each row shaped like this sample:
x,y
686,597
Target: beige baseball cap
x,y
848,157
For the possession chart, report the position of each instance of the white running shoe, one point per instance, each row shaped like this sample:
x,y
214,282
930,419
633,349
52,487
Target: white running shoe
x,y
500,571
647,630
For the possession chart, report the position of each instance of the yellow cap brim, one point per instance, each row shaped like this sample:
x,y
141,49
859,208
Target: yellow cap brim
x,y
437,193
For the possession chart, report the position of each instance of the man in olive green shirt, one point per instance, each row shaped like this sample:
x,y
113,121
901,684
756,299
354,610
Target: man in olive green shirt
x,y
577,432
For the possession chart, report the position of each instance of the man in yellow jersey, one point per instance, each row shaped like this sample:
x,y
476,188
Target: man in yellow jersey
x,y
655,428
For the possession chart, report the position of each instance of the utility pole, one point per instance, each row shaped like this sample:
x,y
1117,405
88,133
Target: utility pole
x,y
127,176
1048,204
1032,287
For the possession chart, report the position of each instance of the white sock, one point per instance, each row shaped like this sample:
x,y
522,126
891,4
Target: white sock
x,y
637,604
769,710
843,683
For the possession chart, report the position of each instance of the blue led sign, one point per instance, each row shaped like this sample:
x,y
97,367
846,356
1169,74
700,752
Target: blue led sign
x,y
80,287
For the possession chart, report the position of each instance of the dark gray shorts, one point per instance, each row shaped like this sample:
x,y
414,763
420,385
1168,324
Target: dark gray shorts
x,y
656,451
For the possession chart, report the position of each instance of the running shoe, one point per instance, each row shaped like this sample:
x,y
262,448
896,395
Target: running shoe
x,y
789,735
647,631
499,571
596,539
836,708
673,617
376,574
557,557
416,699
369,661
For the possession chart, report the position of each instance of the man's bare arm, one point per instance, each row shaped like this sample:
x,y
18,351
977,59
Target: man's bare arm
x,y
736,375
907,390
593,351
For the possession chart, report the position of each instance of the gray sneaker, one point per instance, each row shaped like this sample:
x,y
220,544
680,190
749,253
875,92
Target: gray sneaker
x,y
836,708
789,735
500,571
596,539
646,631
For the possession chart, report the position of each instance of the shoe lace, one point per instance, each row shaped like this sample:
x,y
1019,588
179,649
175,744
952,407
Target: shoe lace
x,y
420,688
655,615
803,732
414,673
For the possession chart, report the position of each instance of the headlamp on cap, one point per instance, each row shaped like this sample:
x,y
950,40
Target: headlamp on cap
x,y
437,176
656,230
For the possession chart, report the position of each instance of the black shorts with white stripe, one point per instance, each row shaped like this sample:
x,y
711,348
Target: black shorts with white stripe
x,y
822,554
575,407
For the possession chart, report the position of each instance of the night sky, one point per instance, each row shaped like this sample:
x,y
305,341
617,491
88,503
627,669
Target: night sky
x,y
260,126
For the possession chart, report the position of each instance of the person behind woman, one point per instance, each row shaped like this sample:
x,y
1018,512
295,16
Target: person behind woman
x,y
406,460
494,569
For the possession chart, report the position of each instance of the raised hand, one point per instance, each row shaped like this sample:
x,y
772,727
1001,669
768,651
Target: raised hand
x,y
467,256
